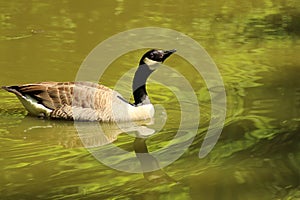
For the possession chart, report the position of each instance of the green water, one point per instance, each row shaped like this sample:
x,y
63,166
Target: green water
x,y
255,45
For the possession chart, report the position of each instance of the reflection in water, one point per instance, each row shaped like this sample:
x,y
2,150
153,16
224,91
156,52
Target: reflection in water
x,y
64,134
149,162
97,137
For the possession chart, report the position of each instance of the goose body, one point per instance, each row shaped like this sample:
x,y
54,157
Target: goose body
x,y
88,101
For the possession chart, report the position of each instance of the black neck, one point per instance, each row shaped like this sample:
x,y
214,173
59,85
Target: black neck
x,y
139,84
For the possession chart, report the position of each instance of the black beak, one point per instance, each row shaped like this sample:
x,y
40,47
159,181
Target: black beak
x,y
168,53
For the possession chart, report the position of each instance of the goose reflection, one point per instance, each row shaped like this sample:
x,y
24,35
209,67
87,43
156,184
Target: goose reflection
x,y
149,162
97,136
95,140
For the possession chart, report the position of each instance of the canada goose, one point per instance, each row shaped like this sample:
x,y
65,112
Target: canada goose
x,y
88,101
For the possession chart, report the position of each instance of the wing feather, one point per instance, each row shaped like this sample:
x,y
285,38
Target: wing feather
x,y
54,95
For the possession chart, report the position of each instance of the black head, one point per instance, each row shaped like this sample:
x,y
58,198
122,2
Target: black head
x,y
148,63
156,56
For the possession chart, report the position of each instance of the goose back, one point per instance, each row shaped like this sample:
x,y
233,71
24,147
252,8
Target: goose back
x,y
78,101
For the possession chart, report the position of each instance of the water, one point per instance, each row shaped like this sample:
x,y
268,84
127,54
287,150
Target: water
x,y
255,45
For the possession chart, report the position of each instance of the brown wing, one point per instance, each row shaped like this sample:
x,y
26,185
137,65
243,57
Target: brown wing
x,y
53,95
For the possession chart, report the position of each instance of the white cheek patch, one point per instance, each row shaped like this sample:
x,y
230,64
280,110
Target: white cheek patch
x,y
152,63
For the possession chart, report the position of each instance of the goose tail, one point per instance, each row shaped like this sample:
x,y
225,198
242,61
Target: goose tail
x,y
12,89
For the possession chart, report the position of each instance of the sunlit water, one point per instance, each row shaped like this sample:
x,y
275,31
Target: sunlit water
x,y
255,45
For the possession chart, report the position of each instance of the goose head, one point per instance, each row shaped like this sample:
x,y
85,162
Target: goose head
x,y
155,57
149,62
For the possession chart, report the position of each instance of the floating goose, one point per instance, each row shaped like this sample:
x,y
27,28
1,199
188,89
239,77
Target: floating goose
x,y
88,101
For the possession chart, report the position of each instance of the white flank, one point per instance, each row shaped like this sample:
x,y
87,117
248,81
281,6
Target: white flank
x,y
141,112
33,107
122,111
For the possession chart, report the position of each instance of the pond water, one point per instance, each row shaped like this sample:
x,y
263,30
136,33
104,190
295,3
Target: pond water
x,y
255,45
